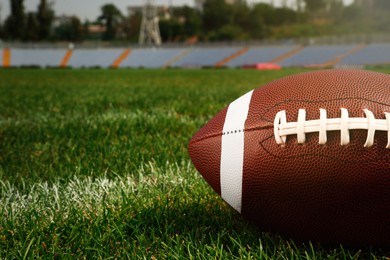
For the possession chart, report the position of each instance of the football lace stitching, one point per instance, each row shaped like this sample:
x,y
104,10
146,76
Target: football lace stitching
x,y
344,124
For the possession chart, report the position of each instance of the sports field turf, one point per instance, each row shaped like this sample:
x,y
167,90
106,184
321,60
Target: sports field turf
x,y
94,164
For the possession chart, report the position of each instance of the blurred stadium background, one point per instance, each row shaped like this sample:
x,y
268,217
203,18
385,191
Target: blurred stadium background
x,y
209,33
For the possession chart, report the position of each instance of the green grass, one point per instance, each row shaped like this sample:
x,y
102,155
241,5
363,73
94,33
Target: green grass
x,y
94,164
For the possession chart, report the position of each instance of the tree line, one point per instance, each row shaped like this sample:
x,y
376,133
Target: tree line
x,y
216,21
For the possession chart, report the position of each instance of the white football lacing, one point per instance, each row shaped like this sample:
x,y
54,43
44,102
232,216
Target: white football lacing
x,y
344,124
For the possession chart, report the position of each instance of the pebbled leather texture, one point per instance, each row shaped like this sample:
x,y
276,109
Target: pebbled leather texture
x,y
326,193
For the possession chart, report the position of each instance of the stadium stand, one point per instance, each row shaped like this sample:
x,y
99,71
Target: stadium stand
x,y
121,58
175,59
232,57
374,54
102,58
205,57
259,55
197,57
316,55
334,62
150,58
66,58
36,58
6,57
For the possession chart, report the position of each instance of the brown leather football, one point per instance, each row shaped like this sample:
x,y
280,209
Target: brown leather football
x,y
306,156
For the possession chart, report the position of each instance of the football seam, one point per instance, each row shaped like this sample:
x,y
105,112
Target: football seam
x,y
233,132
263,118
344,124
305,155
317,101
230,133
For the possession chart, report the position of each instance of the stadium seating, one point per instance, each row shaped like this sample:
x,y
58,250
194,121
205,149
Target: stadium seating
x,y
259,55
86,58
203,57
374,54
316,55
36,57
350,55
150,58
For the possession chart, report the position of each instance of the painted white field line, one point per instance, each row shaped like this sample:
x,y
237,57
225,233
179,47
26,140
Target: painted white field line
x,y
85,193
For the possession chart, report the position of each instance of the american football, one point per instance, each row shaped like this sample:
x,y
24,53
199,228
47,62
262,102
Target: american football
x,y
306,156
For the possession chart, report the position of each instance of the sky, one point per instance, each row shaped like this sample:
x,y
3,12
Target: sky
x,y
90,9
